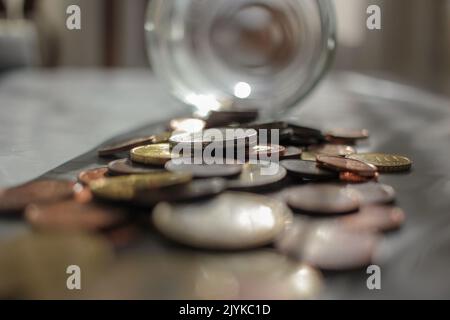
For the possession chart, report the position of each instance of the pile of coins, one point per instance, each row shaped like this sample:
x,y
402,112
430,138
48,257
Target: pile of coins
x,y
321,207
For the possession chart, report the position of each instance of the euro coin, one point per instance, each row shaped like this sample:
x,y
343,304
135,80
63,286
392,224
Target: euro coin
x,y
126,166
125,145
155,154
347,165
87,176
258,176
384,162
307,170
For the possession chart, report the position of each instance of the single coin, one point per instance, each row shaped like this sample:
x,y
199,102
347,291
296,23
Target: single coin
x,y
222,137
17,198
332,149
71,215
322,199
90,175
374,218
347,165
82,193
351,177
332,247
257,176
229,221
194,190
308,156
126,166
307,170
373,193
123,188
348,134
33,265
125,145
384,162
156,154
328,245
162,137
306,132
266,151
291,152
201,169
219,118
187,124
276,125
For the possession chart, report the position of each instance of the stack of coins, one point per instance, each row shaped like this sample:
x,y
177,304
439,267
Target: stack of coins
x,y
326,208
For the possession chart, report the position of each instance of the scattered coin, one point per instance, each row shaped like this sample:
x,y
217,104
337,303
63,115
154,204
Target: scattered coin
x,y
276,125
33,265
258,176
155,154
203,170
162,137
331,247
82,193
373,193
90,175
220,136
126,166
328,245
348,134
220,118
125,145
308,156
266,151
15,199
322,199
306,132
351,177
374,218
332,150
347,165
123,188
228,221
195,190
187,124
384,162
307,170
73,216
291,152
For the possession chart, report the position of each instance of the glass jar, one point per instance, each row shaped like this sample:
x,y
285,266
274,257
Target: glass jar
x,y
241,54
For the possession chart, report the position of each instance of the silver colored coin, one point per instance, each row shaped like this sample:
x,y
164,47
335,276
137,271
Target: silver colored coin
x,y
229,221
372,193
258,176
322,199
328,245
204,170
224,137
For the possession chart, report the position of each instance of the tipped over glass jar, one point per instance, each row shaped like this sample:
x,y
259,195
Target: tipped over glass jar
x,y
241,54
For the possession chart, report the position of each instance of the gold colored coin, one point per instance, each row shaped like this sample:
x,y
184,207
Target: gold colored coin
x,y
124,188
157,154
162,137
384,162
308,156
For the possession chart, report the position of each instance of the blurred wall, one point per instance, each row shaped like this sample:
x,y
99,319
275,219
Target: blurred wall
x,y
413,45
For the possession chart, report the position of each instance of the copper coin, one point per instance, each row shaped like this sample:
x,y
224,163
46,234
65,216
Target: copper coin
x,y
307,170
332,150
373,193
265,151
351,177
125,145
374,218
291,152
350,134
343,164
332,247
17,198
195,190
82,193
219,118
258,176
322,199
90,175
126,166
187,124
328,245
72,215
201,169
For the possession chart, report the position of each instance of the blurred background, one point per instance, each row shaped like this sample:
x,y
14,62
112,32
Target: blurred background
x,y
413,46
